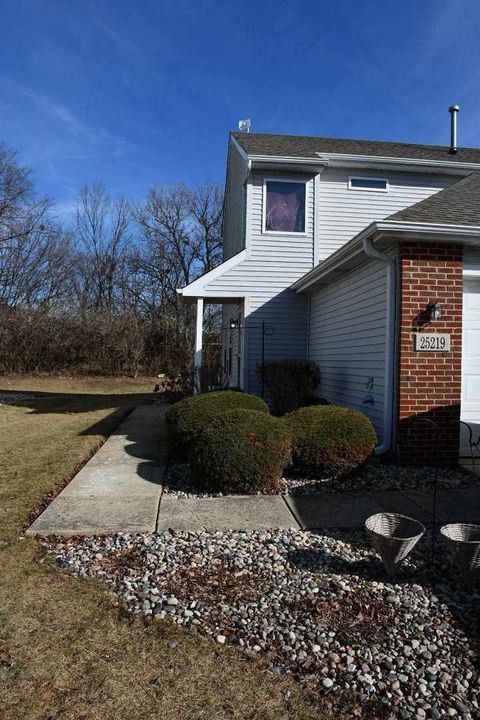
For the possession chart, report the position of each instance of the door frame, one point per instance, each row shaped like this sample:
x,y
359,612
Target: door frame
x,y
468,277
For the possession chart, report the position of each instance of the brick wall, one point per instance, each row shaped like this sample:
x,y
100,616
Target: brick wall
x,y
429,385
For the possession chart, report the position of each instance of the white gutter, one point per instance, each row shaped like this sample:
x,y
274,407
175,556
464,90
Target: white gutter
x,y
438,229
340,160
389,382
346,159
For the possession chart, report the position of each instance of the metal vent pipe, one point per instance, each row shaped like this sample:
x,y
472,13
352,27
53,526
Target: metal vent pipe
x,y
453,110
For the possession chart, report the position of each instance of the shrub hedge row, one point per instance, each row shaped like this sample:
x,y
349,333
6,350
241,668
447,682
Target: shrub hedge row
x,y
234,445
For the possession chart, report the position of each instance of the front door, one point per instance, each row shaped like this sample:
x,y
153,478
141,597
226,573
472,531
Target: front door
x,y
470,409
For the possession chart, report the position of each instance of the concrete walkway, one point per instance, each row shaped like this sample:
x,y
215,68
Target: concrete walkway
x,y
234,512
351,509
120,490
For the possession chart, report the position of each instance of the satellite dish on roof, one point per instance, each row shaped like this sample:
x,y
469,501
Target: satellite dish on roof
x,y
244,125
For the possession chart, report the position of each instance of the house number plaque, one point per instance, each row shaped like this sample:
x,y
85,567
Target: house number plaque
x,y
432,342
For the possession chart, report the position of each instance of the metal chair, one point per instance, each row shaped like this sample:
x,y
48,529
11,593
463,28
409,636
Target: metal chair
x,y
474,445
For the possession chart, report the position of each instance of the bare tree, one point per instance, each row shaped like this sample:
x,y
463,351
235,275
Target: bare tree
x,y
103,296
21,211
180,239
33,249
35,267
102,233
206,207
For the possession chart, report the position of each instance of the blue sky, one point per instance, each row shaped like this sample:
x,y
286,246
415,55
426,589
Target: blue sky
x,y
132,92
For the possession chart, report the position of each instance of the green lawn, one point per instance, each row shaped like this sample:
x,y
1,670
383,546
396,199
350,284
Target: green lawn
x,y
66,650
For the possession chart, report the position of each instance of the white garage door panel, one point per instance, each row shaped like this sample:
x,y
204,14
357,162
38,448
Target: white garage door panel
x,y
470,410
472,389
472,297
471,345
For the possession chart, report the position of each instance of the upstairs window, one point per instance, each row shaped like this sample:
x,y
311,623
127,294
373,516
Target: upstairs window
x,y
368,183
284,206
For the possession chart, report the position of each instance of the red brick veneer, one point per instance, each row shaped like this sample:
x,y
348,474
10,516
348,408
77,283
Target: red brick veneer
x,y
429,384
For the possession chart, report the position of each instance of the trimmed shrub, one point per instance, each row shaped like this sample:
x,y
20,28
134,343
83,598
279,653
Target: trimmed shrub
x,y
190,415
288,381
240,451
312,400
329,440
230,388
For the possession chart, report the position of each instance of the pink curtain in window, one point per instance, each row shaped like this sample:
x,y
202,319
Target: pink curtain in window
x,y
285,207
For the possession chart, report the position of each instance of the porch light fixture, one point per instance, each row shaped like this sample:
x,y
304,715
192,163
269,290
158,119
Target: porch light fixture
x,y
435,310
234,324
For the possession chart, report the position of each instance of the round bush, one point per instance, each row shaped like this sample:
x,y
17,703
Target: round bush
x,y
309,400
329,440
187,417
240,451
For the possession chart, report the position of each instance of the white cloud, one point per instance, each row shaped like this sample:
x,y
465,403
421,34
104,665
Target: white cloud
x,y
124,45
71,123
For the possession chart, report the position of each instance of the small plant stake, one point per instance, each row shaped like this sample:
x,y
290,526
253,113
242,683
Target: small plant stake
x,y
434,464
433,424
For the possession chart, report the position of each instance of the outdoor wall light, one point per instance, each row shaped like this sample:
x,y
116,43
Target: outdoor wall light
x,y
234,324
435,310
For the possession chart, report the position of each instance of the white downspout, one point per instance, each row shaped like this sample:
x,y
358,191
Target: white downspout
x,y
371,251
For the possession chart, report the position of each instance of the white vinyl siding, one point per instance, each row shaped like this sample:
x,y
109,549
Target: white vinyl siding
x,y
348,338
343,212
273,263
234,209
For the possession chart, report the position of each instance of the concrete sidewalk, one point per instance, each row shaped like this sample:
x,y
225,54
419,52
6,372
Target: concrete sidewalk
x,y
351,509
313,512
233,512
119,489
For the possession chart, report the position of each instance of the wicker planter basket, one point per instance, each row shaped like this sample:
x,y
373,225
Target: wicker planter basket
x,y
463,540
393,536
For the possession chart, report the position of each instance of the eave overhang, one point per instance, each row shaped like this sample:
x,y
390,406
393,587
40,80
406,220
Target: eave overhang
x,y
199,287
383,233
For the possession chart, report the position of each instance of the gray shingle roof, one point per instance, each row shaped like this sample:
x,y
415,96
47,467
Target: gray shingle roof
x,y
298,146
458,204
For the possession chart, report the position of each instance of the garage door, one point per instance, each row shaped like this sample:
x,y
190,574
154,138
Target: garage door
x,y
470,410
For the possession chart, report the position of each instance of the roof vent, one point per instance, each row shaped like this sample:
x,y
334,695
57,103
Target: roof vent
x,y
453,110
245,125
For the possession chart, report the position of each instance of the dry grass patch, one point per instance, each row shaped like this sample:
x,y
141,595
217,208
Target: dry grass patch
x,y
66,650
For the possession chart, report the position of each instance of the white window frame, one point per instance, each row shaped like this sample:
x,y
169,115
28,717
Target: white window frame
x,y
368,189
266,180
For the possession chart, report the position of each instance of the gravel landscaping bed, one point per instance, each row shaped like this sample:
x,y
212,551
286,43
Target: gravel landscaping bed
x,y
318,606
375,475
